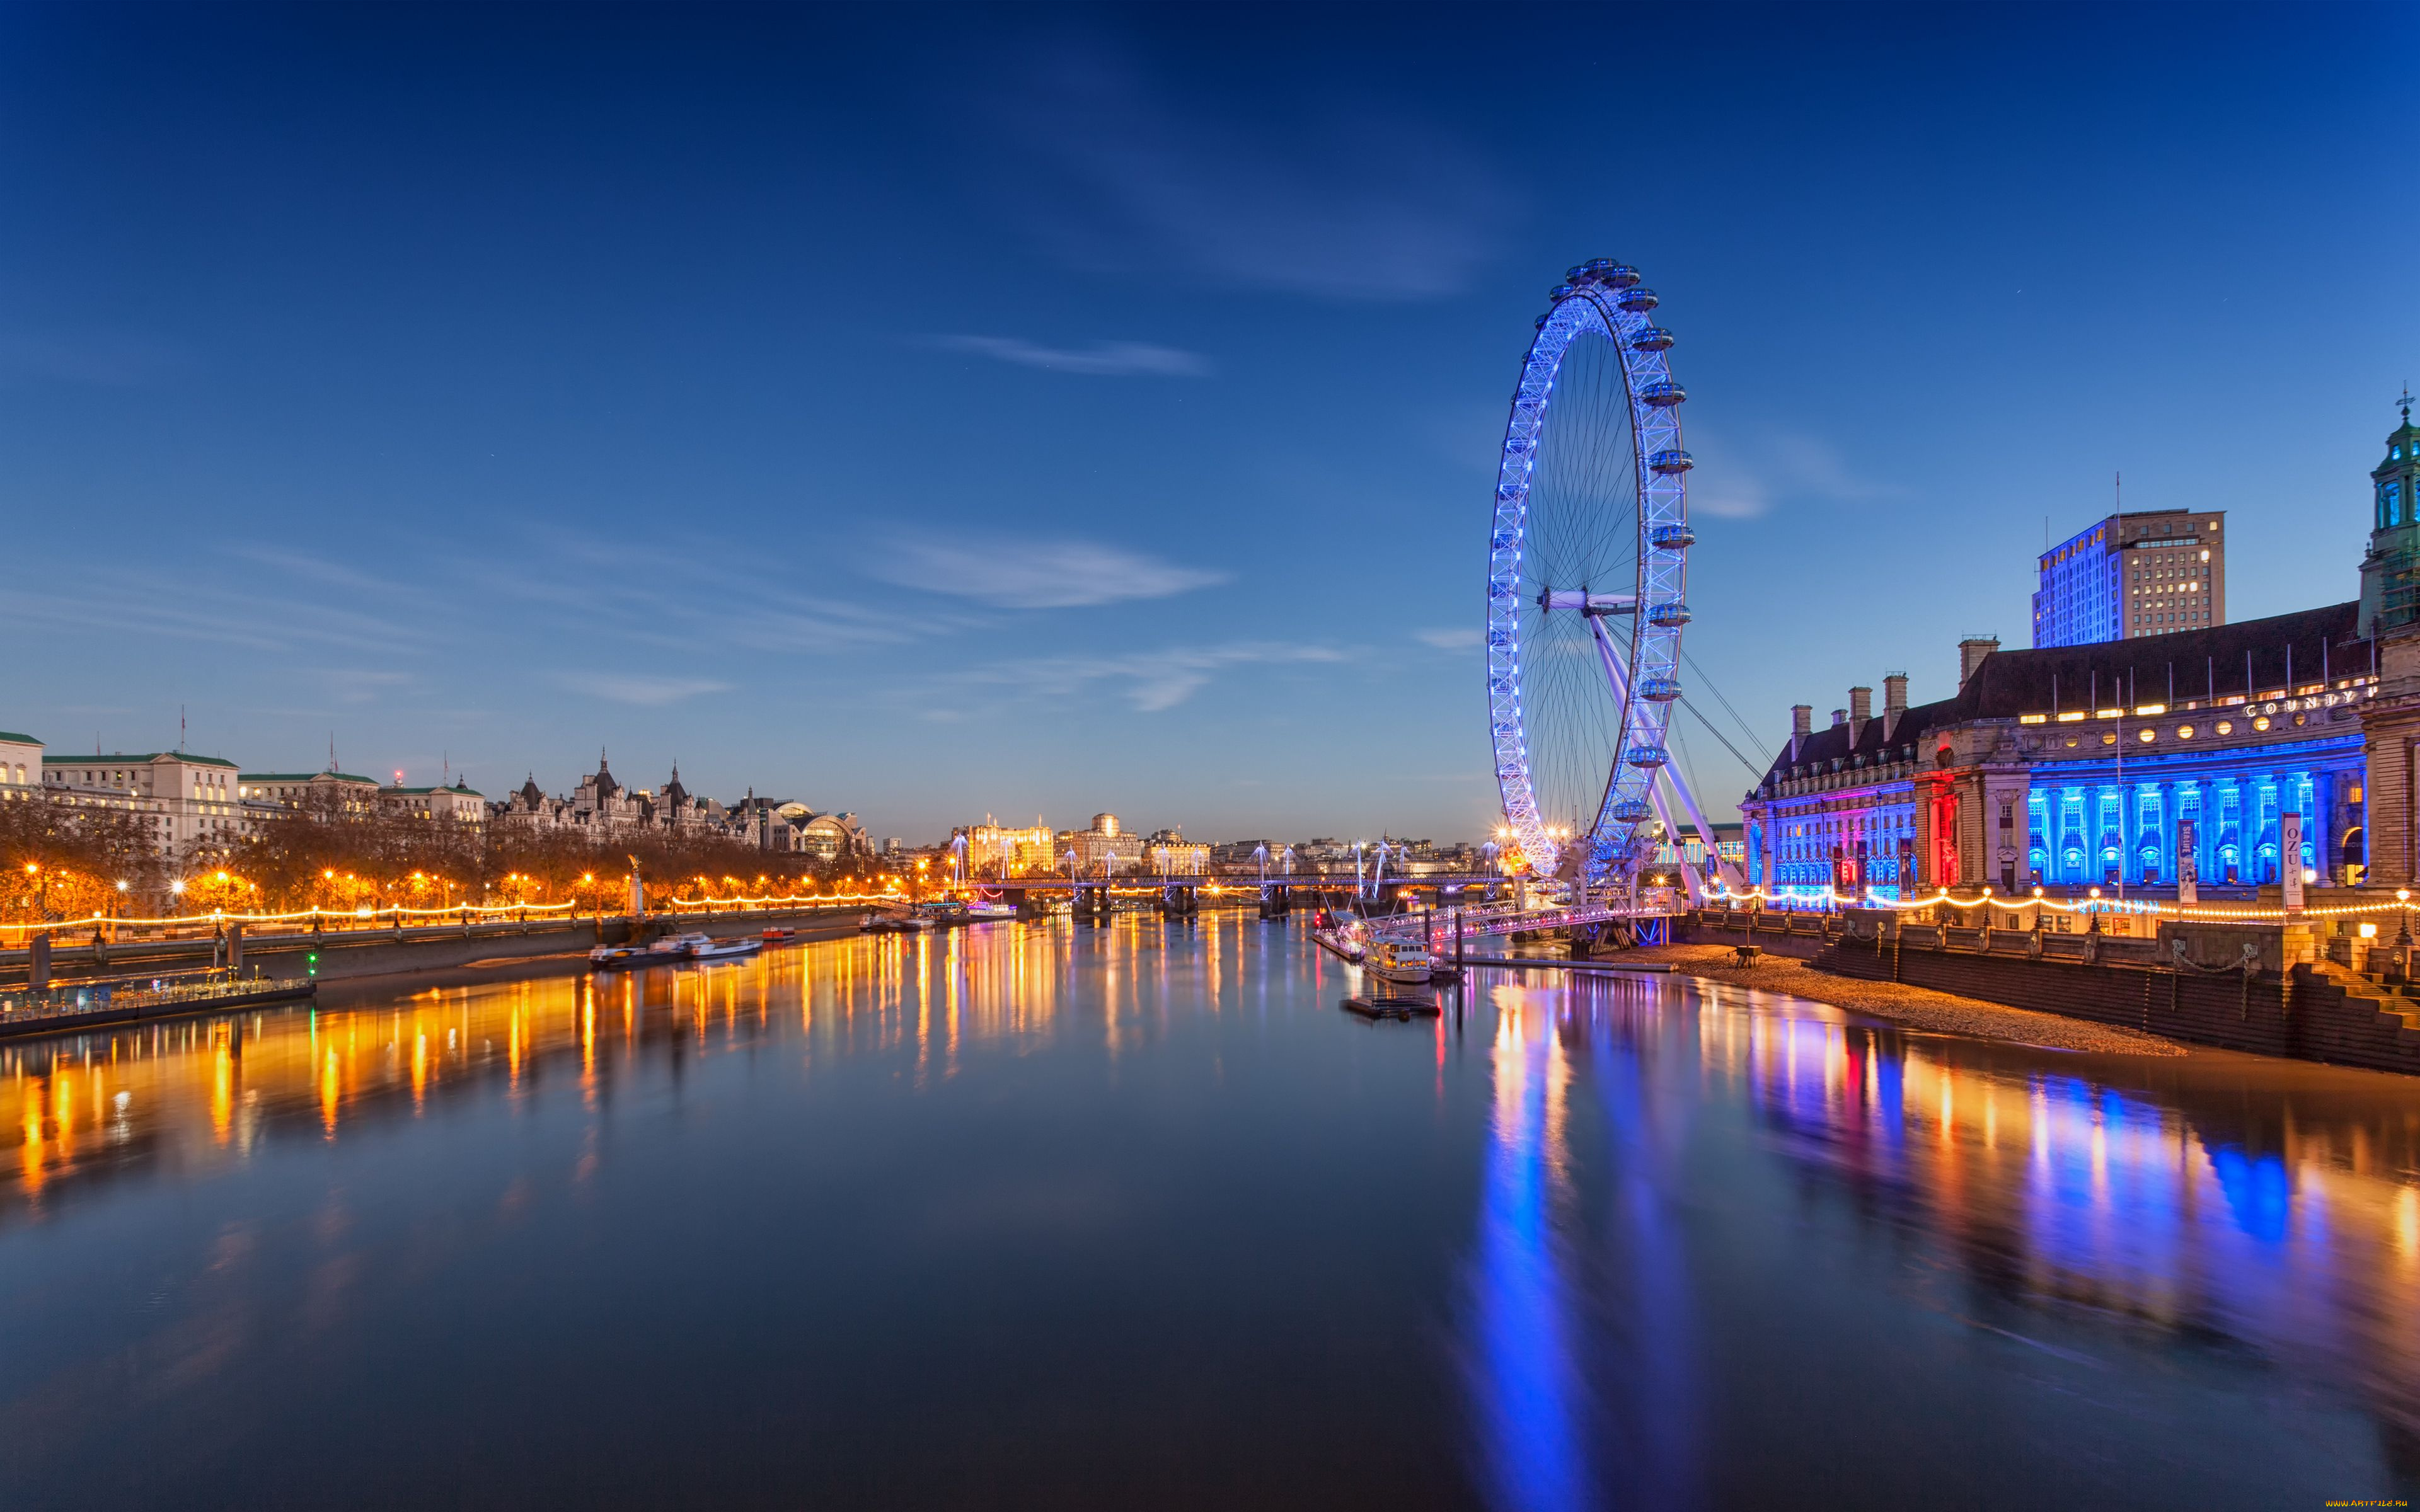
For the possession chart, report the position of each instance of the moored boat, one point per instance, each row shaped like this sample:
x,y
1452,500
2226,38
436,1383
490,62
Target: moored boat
x,y
615,957
702,948
1396,962
1343,939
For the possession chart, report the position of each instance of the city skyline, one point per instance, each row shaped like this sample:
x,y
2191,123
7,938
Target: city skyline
x,y
640,401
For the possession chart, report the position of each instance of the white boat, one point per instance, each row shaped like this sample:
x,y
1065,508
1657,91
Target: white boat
x,y
703,949
1393,960
892,923
676,947
613,957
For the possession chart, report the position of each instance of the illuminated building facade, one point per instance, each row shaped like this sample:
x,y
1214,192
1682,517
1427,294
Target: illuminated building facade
x,y
192,805
2084,766
1172,854
1103,850
996,850
2153,572
2126,761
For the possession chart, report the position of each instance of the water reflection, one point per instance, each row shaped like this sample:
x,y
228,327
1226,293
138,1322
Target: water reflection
x,y
2267,1213
1143,1195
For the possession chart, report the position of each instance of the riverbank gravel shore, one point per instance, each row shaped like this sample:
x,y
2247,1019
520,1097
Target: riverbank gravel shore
x,y
1918,1007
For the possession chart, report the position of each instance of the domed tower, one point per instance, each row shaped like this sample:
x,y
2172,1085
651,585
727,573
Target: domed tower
x,y
2390,574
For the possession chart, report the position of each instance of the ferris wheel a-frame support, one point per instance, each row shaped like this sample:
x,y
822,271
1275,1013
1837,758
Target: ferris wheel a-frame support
x,y
1618,680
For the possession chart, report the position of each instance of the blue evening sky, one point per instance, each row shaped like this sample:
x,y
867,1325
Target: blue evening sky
x,y
940,413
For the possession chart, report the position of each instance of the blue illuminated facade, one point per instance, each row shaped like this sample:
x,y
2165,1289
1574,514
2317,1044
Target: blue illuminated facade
x,y
2076,767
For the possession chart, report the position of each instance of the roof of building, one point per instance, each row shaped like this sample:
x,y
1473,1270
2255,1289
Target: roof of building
x,y
15,739
2250,656
306,776
187,757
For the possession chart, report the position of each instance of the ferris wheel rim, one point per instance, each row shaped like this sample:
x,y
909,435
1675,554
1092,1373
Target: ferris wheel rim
x,y
1601,298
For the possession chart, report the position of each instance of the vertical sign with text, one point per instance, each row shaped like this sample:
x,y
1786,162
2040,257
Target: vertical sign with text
x,y
2290,858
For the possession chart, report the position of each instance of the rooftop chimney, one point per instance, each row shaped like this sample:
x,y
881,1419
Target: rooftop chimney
x,y
1840,717
1802,724
1971,653
1861,705
1894,701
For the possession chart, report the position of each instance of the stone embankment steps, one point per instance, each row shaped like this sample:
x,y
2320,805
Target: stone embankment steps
x,y
2394,1006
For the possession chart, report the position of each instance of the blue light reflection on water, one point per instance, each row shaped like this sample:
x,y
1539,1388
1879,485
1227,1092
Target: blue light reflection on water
x,y
1588,1243
1530,1382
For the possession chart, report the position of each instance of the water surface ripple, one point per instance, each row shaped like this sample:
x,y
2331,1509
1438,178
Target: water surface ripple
x,y
1030,1215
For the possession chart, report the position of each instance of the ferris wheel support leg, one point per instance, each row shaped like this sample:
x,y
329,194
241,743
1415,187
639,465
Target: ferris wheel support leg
x,y
1731,875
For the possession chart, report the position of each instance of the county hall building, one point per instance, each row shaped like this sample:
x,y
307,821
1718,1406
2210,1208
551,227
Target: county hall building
x,y
2091,763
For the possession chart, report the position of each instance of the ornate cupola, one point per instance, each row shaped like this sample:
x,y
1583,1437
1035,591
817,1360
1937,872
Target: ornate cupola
x,y
2390,574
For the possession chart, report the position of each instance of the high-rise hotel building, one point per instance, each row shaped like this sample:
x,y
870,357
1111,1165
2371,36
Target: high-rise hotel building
x,y
2153,572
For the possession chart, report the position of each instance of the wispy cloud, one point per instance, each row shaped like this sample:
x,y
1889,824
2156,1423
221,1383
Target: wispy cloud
x,y
1151,682
1465,638
1103,359
647,692
1315,195
1009,574
1736,480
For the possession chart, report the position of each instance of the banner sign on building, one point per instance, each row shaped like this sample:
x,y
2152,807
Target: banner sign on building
x,y
2290,862
2188,872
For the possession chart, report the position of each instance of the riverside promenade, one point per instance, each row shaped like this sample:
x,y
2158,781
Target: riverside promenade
x,y
340,954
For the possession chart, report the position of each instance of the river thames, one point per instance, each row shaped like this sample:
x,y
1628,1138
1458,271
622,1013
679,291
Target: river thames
x,y
1029,1215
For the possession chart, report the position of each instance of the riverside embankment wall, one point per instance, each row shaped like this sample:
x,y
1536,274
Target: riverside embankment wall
x,y
348,953
2300,1011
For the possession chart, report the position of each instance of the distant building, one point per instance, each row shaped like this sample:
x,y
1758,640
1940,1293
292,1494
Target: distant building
x,y
1105,849
2153,572
1170,853
322,795
193,805
996,850
21,767
457,805
603,810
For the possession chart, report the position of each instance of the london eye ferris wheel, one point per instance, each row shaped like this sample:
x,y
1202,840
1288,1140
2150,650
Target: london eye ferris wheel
x,y
1587,576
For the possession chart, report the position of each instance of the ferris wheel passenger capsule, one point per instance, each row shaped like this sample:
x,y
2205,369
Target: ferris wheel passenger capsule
x,y
1670,464
1659,689
1672,537
1622,275
1538,324
1646,756
1664,393
1653,339
1635,300
1669,616
1631,810
1577,271
1560,291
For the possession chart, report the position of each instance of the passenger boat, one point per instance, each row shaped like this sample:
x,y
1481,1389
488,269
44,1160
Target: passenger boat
x,y
775,934
1393,960
615,957
893,924
676,947
982,908
702,948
